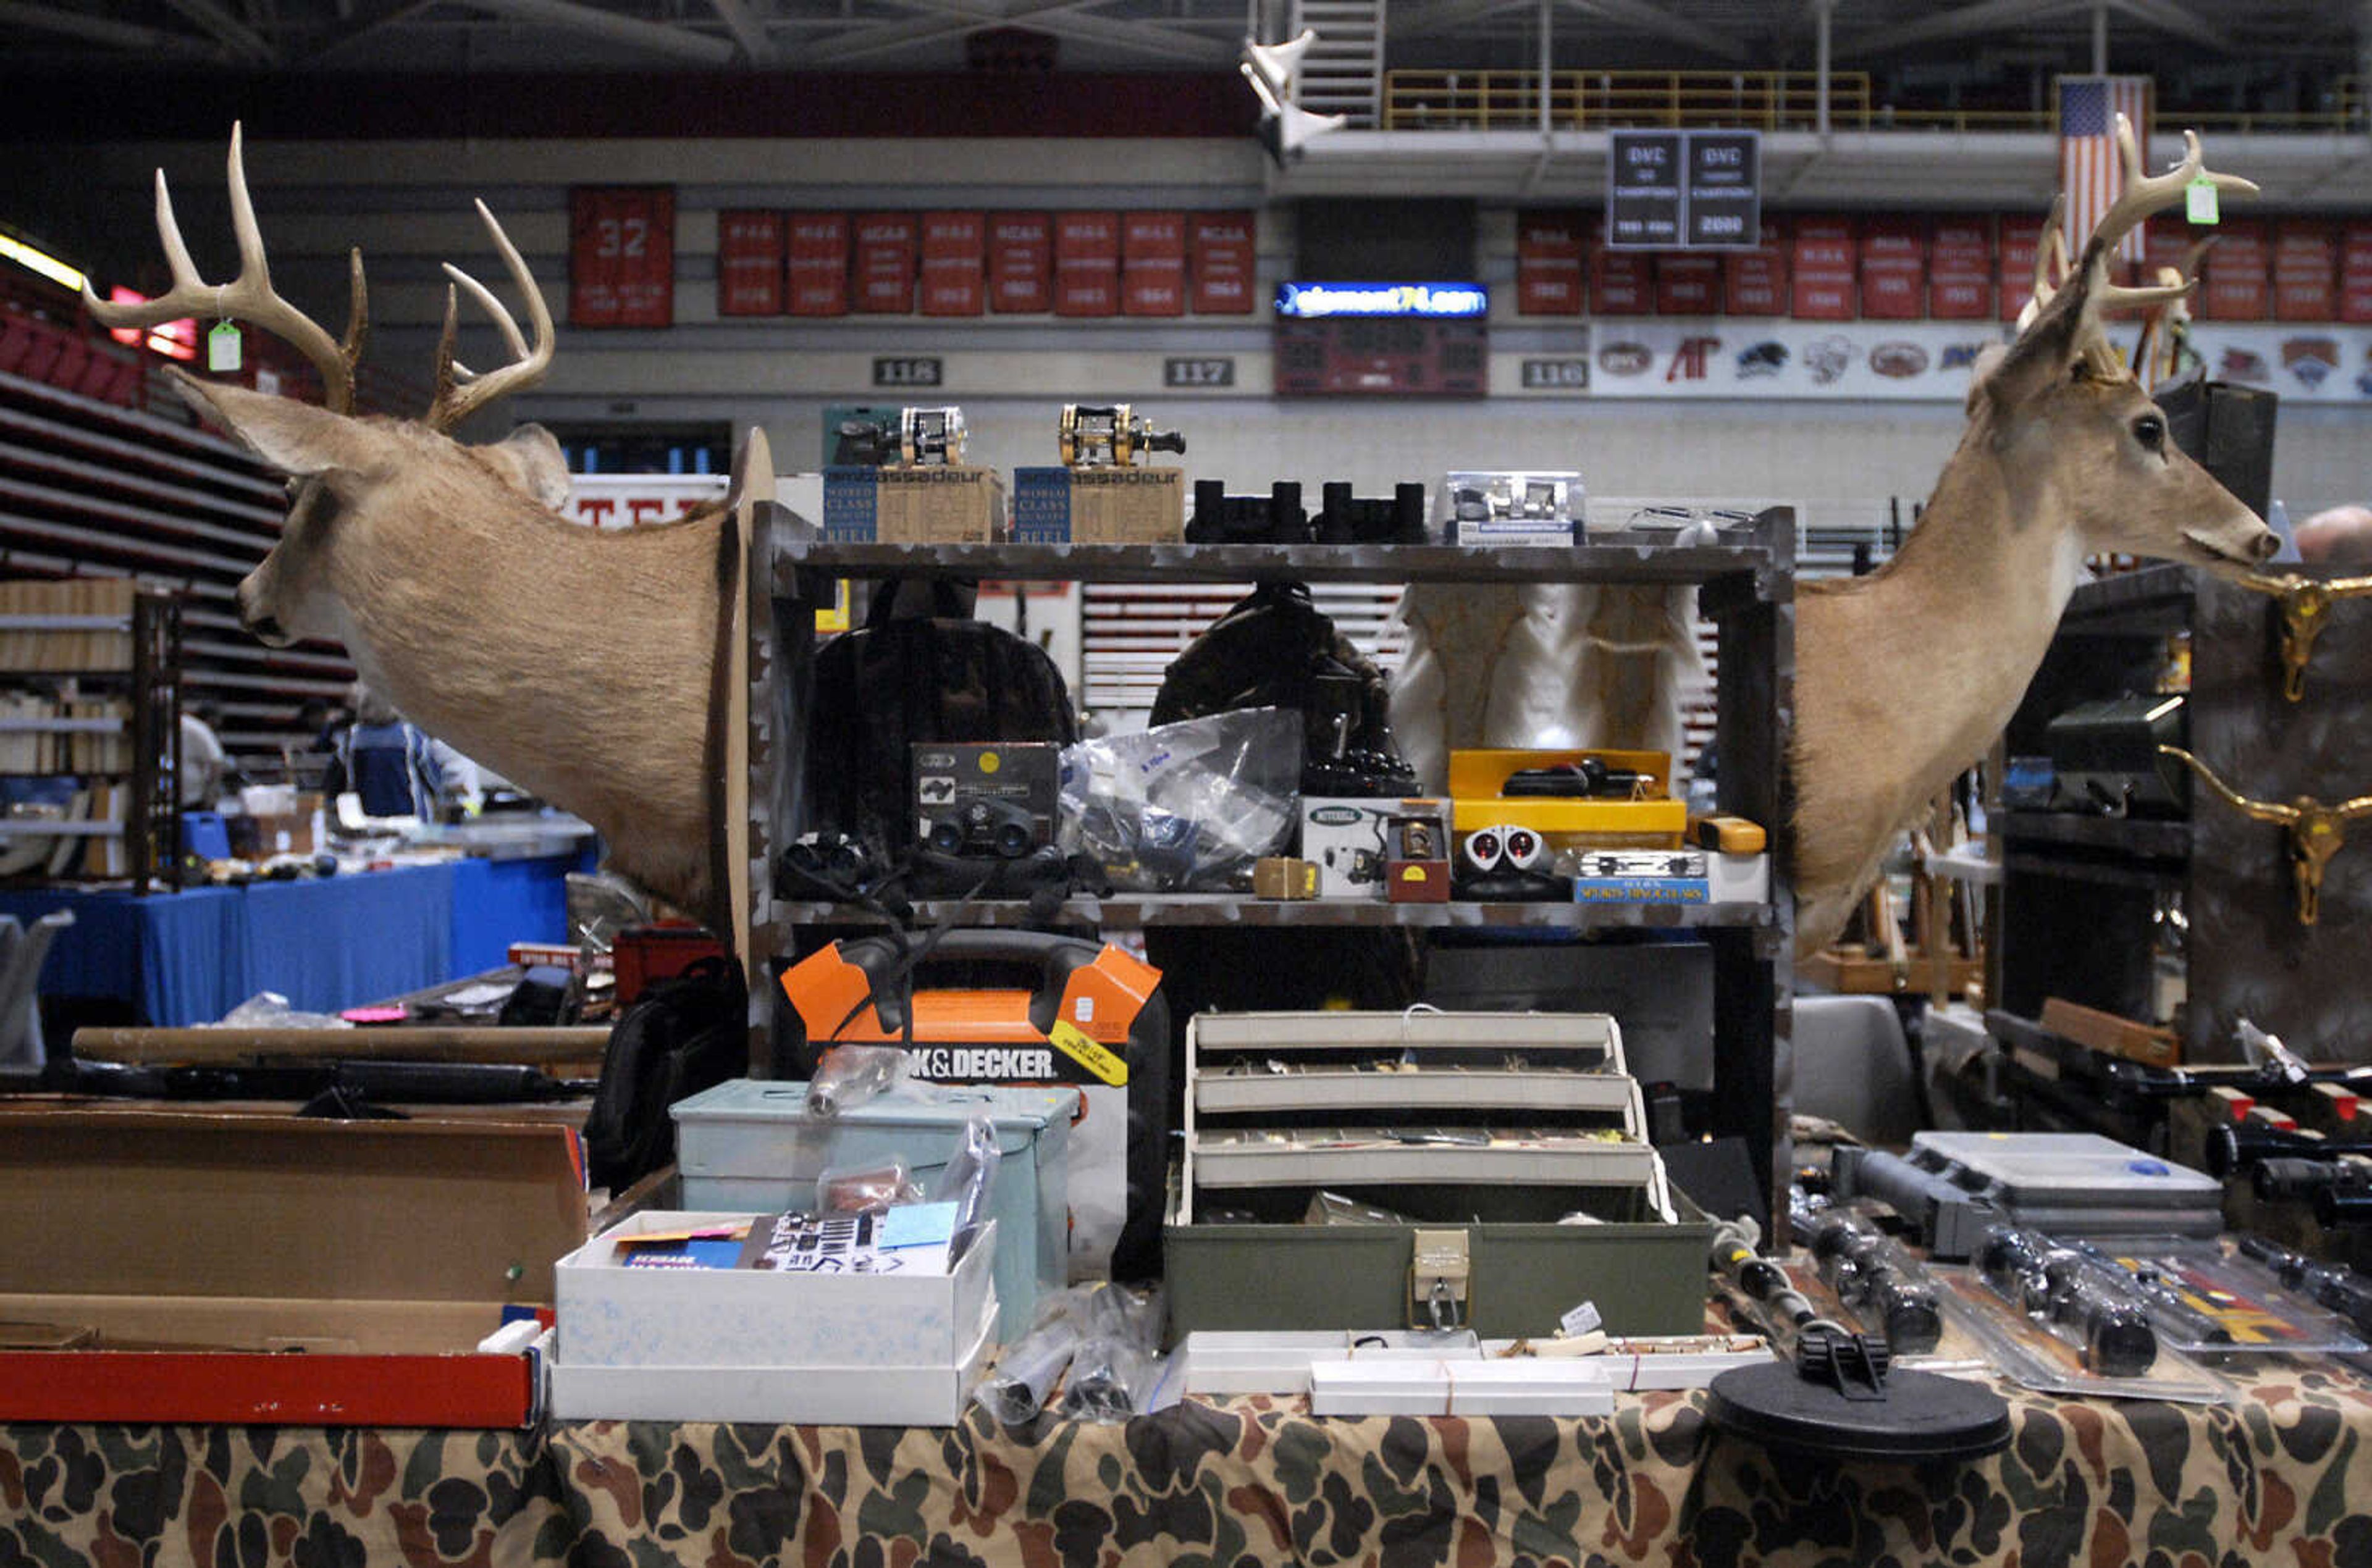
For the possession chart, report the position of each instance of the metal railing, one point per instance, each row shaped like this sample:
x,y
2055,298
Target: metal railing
x,y
1510,100
1767,100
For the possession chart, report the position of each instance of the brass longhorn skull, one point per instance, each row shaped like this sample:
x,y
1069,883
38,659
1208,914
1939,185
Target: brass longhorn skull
x,y
2305,604
2316,832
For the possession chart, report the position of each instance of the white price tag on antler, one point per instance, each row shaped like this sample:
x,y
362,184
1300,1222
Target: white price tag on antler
x,y
222,346
2201,196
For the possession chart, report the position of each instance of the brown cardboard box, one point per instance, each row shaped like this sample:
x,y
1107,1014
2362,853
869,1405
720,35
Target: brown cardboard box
x,y
188,1252
1128,505
292,832
952,504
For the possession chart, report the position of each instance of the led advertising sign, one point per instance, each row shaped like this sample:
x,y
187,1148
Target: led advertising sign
x,y
1431,301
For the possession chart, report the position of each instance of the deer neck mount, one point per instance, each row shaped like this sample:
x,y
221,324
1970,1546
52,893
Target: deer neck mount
x,y
1904,677
579,664
2313,832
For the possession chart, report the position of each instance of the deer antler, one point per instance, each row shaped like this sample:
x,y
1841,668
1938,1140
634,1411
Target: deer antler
x,y
462,391
2142,194
250,297
2049,263
2164,339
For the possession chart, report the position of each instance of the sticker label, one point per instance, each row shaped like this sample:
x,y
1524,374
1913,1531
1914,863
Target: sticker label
x,y
1073,1043
2200,199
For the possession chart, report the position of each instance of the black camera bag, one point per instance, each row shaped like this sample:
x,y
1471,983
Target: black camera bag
x,y
681,1035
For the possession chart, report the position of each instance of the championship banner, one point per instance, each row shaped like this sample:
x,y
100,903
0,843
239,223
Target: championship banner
x,y
748,264
621,256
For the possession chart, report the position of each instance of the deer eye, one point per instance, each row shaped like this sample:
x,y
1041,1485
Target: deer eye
x,y
2150,430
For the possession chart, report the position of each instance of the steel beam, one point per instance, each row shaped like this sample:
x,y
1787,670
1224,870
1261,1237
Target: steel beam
x,y
654,36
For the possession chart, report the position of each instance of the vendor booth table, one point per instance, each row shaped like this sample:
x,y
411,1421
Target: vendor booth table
x,y
1243,1480
189,958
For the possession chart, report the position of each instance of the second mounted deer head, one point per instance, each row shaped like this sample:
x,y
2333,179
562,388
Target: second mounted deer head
x,y
585,666
1904,677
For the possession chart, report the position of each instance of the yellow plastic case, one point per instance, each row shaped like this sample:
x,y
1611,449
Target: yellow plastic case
x,y
1476,778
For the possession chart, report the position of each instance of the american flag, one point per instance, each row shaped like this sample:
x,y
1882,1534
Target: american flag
x,y
2089,171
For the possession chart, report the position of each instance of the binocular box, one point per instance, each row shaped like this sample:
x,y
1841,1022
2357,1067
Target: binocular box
x,y
985,801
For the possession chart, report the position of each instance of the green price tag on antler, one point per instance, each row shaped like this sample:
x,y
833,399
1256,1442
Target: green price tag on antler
x,y
222,346
2200,195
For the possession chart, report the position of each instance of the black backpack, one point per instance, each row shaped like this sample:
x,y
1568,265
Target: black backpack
x,y
681,1035
937,677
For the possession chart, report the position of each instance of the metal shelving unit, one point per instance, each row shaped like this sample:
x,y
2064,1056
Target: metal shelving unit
x,y
150,682
1745,585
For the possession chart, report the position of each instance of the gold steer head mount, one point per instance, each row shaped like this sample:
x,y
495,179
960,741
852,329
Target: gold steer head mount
x,y
2305,604
2316,832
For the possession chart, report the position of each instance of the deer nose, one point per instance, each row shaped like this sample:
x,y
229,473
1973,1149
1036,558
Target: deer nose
x,y
2264,546
264,628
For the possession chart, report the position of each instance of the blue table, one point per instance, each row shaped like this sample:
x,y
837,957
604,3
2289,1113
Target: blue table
x,y
189,958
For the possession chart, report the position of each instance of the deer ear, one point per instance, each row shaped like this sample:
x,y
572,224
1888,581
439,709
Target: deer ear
x,y
294,437
530,462
2041,357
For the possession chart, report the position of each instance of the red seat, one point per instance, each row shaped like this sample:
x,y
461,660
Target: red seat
x,y
15,342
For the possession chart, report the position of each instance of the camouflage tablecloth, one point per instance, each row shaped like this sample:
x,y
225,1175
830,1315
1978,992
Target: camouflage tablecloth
x,y
2274,1479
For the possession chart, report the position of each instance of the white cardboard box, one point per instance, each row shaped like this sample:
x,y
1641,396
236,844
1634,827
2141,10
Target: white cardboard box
x,y
740,1320
835,1396
1380,1388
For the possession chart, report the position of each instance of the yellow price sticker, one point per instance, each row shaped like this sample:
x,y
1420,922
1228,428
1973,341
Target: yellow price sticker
x,y
1073,1042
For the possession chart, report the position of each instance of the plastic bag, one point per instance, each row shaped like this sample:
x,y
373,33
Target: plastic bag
x,y
870,1184
966,1179
850,1075
1112,1369
1184,806
1026,1373
269,1010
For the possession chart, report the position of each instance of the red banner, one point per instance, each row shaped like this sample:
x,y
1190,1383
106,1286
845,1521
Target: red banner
x,y
1961,269
1153,265
2014,263
1688,285
2306,271
621,257
1548,264
2238,286
818,263
748,264
1825,260
1020,263
1754,282
1622,283
885,264
953,244
1086,264
1224,256
1894,270
2355,273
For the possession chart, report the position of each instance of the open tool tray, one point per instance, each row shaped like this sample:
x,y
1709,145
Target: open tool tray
x,y
1365,1156
1413,1101
1462,1063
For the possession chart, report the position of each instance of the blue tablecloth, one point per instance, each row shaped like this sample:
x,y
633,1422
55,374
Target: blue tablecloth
x,y
189,958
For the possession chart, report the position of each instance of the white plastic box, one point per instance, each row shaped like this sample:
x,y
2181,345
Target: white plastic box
x,y
746,1344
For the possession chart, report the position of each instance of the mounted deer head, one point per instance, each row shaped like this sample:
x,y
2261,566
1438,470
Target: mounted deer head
x,y
585,665
1904,677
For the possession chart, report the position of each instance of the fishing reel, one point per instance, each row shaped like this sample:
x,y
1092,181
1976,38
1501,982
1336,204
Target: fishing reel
x,y
930,437
1109,437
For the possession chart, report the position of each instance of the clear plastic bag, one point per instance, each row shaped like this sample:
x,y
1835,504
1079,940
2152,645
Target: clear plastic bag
x,y
1028,1372
850,1075
1184,806
966,1179
857,1188
269,1010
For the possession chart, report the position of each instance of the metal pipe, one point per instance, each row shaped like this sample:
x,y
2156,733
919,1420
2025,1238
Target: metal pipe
x,y
1823,10
428,1043
2100,38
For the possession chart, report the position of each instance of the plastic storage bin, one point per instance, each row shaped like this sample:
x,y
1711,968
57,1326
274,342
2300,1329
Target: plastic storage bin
x,y
749,1146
